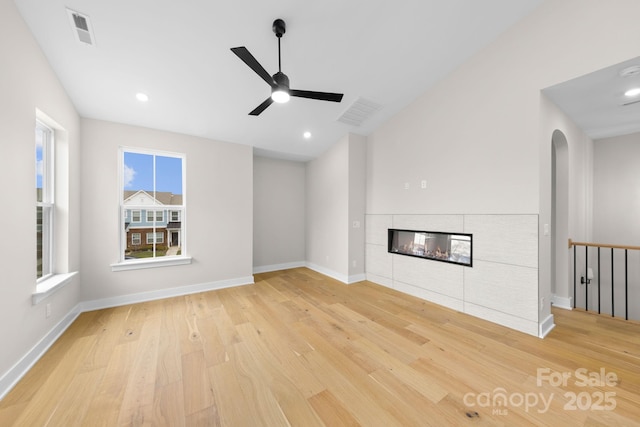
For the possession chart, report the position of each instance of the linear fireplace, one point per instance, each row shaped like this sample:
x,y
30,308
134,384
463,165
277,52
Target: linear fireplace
x,y
454,248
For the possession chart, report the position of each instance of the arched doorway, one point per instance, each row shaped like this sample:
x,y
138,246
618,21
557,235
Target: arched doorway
x,y
560,288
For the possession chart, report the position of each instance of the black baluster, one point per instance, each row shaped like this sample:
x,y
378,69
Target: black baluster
x,y
586,278
598,279
575,295
626,305
612,307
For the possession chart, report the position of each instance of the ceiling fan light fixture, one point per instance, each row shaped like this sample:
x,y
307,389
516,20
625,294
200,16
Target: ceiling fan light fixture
x,y
280,95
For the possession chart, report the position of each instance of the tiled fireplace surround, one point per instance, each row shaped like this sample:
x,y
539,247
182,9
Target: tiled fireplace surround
x,y
502,285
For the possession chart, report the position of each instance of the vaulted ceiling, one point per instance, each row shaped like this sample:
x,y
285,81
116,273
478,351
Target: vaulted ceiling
x,y
178,53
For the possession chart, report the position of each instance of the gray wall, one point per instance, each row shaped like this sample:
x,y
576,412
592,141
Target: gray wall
x,y
335,200
27,82
616,213
219,211
327,221
357,205
278,214
616,190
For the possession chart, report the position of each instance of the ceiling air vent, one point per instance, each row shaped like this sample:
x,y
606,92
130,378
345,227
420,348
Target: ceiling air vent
x,y
81,27
359,111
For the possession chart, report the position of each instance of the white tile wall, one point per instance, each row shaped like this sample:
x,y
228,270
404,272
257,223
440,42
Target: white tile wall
x,y
502,285
378,261
509,239
444,223
433,276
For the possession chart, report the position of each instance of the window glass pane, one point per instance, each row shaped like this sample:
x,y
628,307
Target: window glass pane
x,y
40,136
44,199
39,242
169,176
137,176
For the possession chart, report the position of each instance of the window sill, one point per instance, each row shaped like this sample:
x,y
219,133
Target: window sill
x,y
51,285
147,263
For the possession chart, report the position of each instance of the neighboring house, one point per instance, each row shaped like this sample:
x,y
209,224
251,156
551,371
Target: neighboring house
x,y
152,219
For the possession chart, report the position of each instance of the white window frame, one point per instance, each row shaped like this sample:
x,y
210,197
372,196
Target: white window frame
x,y
177,216
136,236
133,215
58,245
48,200
132,264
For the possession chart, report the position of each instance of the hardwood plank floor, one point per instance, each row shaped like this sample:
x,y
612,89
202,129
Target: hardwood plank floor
x,y
300,349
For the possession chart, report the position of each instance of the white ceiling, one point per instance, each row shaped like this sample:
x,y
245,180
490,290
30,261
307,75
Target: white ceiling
x,y
178,52
596,101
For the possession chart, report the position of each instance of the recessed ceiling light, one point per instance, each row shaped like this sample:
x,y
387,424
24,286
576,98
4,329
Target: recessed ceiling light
x,y
632,92
142,97
307,135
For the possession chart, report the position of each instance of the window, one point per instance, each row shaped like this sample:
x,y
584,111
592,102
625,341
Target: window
x,y
44,201
152,184
136,239
175,216
159,216
159,237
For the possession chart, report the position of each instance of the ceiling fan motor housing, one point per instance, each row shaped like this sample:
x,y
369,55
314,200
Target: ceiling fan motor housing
x,y
281,79
279,27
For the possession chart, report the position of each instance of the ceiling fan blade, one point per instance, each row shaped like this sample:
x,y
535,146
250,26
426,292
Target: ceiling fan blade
x,y
253,63
322,96
260,108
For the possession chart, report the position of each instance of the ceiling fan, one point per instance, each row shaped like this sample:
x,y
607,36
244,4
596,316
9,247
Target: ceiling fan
x,y
279,82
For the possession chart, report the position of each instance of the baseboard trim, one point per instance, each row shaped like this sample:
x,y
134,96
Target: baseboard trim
x,y
278,267
99,304
546,326
565,303
17,371
355,278
327,272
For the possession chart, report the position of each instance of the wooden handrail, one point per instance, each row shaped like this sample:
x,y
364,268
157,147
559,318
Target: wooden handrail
x,y
601,245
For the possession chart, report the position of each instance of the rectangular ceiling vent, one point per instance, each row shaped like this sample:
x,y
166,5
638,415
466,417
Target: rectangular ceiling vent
x,y
81,27
359,111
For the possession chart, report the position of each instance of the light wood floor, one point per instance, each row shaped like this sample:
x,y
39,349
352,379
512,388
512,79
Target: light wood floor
x,y
300,349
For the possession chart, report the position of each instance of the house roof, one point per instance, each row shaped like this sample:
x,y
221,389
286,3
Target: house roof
x,y
162,197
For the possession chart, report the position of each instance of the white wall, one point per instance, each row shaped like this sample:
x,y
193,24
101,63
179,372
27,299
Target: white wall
x,y
278,214
616,209
219,181
327,221
480,137
335,199
357,206
26,83
616,190
579,165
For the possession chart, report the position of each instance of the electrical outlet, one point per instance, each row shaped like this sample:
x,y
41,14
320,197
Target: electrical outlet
x,y
406,185
48,310
423,184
